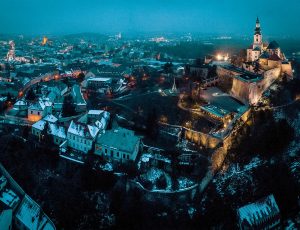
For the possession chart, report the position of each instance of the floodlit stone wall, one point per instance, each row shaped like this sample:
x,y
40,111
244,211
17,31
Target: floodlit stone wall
x,y
202,139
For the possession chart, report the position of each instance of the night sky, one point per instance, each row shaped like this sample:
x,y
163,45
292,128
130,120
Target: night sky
x,y
229,17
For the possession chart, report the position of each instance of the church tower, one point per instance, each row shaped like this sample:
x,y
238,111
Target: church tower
x,y
257,42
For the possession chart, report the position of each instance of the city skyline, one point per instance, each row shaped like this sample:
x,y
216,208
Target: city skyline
x,y
222,17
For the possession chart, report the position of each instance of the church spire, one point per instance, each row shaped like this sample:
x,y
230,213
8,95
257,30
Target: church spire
x,y
257,28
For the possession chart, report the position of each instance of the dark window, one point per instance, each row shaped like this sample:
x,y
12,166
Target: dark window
x,y
105,150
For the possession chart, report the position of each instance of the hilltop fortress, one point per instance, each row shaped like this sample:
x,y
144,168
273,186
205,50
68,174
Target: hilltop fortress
x,y
265,63
268,55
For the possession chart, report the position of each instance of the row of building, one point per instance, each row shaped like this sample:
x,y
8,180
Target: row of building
x,y
17,209
89,133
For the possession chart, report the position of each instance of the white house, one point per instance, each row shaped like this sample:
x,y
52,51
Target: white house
x,y
81,136
119,144
39,110
58,132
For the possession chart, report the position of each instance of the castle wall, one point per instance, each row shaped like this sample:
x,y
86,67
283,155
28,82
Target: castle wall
x,y
240,90
273,64
287,68
202,139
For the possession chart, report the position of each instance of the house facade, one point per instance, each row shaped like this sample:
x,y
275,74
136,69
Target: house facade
x,y
39,110
262,214
57,132
81,136
118,145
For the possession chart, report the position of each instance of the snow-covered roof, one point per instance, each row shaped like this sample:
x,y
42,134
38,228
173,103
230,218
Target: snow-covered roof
x,y
9,198
54,129
39,125
83,130
40,105
58,131
259,211
50,118
101,79
77,95
20,103
102,124
32,216
122,139
95,112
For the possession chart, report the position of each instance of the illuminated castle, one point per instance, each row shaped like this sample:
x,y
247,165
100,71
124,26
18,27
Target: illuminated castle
x,y
269,56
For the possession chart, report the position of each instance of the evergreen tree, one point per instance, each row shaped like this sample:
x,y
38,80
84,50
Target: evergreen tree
x,y
80,77
68,108
31,96
152,126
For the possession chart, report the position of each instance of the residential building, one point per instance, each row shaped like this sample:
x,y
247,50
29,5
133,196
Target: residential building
x,y
30,216
57,132
118,144
81,136
99,82
10,198
21,105
262,214
39,110
98,117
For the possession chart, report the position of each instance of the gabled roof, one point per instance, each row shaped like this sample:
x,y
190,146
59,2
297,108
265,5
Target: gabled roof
x,y
58,131
50,118
83,130
40,105
259,211
21,102
32,216
39,125
122,139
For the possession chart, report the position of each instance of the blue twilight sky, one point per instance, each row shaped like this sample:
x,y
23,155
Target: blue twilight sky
x,y
105,16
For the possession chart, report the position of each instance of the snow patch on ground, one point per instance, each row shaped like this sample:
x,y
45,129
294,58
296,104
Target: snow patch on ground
x,y
235,179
